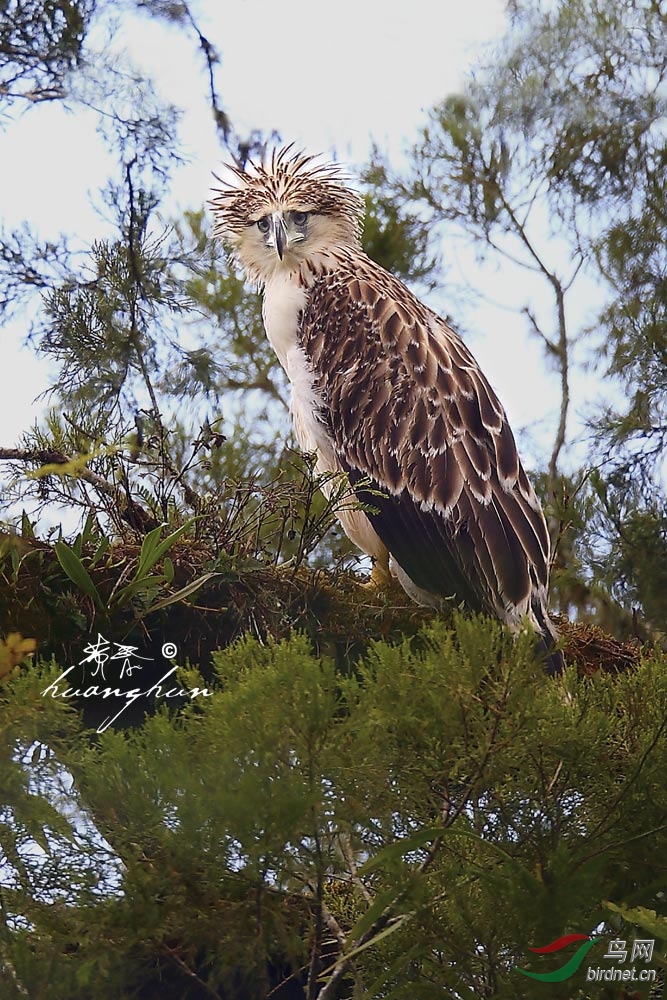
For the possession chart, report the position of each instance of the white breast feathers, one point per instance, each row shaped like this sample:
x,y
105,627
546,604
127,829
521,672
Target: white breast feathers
x,y
284,300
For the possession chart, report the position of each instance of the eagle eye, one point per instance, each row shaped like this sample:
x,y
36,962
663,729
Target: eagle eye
x,y
299,218
263,224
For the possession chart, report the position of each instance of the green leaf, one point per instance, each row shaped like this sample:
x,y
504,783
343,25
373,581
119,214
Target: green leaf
x,y
148,548
100,551
77,545
168,569
391,973
137,586
87,972
385,932
381,902
77,572
90,532
648,920
27,530
180,595
153,549
401,847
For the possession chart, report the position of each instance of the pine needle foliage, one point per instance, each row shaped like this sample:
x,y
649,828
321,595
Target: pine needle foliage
x,y
408,828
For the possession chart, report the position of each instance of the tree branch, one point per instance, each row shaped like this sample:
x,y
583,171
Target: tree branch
x,y
343,840
220,116
130,511
51,457
561,347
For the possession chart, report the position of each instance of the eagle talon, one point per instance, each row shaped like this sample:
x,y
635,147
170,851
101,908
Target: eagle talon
x,y
380,577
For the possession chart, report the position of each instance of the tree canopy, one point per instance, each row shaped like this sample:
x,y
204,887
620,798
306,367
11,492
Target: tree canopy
x,y
229,768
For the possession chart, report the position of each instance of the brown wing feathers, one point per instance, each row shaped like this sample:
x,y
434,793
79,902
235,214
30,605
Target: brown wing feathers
x,y
406,407
410,410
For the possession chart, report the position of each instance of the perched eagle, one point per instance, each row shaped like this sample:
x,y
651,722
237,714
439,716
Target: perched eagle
x,y
386,392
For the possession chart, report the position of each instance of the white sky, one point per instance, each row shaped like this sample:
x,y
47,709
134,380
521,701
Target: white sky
x,y
326,76
334,75
330,77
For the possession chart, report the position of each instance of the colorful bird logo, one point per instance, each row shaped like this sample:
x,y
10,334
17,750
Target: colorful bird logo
x,y
570,967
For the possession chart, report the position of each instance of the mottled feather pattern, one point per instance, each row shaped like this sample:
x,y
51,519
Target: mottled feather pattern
x,y
410,409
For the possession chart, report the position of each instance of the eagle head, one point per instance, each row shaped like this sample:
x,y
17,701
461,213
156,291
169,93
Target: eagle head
x,y
287,208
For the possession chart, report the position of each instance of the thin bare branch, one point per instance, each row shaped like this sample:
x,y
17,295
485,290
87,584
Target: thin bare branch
x,y
47,457
345,847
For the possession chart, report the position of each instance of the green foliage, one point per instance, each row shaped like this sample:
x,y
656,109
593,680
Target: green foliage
x,y
633,568
647,920
39,45
102,331
394,234
400,820
112,318
440,810
141,584
235,314
632,431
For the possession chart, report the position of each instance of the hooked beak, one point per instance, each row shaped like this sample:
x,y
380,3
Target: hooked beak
x,y
279,234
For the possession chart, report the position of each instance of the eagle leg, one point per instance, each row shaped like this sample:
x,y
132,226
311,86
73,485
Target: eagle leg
x,y
381,576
